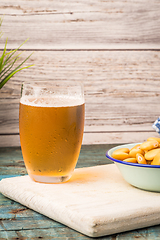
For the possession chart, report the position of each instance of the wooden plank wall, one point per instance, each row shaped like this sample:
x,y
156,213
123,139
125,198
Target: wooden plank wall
x,y
113,47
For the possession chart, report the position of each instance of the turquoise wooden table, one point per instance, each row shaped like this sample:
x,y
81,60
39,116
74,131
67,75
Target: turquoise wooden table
x,y
19,222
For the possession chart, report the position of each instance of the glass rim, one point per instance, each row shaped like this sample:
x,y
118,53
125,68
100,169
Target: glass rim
x,y
56,83
52,89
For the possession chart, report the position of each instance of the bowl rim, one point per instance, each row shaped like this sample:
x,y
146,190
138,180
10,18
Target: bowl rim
x,y
128,163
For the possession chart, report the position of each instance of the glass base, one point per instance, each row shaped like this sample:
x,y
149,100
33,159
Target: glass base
x,y
46,179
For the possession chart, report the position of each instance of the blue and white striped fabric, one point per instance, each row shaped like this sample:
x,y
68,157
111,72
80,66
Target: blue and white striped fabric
x,y
156,125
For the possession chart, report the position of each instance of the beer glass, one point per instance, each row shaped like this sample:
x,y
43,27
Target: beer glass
x,y
51,124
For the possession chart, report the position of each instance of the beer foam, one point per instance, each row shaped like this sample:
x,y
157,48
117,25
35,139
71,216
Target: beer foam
x,y
56,101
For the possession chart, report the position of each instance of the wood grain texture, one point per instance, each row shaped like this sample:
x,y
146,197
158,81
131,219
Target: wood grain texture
x,y
122,92
80,24
17,221
111,46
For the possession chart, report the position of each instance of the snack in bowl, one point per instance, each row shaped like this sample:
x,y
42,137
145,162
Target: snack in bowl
x,y
139,163
143,153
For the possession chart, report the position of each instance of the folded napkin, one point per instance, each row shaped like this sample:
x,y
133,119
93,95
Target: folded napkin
x,y
96,201
156,125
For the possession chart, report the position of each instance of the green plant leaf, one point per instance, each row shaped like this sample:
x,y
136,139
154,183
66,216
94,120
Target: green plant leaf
x,y
11,74
1,20
7,61
2,57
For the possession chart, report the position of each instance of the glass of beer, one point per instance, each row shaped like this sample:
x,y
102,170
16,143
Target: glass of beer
x,y
51,124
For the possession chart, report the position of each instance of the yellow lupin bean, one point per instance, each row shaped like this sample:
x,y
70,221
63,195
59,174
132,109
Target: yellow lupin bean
x,y
156,160
131,160
149,145
153,139
135,150
151,154
121,154
140,158
136,146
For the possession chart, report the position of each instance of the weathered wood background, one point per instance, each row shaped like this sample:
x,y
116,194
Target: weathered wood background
x,y
112,46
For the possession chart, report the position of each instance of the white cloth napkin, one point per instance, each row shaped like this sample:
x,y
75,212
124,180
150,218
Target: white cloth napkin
x,y
96,201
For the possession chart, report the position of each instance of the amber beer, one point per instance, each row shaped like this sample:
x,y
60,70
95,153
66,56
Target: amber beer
x,y
51,131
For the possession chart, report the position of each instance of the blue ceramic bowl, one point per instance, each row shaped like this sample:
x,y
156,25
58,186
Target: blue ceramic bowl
x,y
146,177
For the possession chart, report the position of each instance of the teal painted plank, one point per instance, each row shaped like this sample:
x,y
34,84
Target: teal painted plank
x,y
6,201
66,233
9,235
7,176
17,211
52,233
150,233
12,162
10,153
13,170
20,213
28,224
94,155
